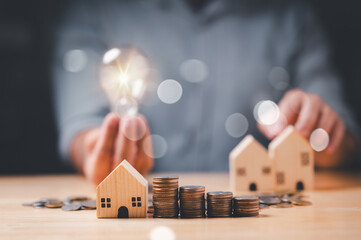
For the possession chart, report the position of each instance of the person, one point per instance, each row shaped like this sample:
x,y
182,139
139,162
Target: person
x,y
243,52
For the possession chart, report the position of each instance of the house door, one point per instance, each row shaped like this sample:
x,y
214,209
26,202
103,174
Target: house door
x,y
123,212
300,186
253,187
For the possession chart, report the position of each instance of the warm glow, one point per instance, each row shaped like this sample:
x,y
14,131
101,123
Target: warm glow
x,y
124,76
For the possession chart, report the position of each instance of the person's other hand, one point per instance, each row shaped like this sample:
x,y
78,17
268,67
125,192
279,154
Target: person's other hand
x,y
98,151
307,112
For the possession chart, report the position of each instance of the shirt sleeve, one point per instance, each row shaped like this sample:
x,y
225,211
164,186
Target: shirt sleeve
x,y
79,101
313,71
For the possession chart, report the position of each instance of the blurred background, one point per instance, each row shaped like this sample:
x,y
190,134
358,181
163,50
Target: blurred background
x,y
28,138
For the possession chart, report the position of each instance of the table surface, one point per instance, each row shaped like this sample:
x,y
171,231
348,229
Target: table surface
x,y
335,213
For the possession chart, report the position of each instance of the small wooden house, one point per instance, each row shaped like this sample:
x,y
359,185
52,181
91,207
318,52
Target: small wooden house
x,y
122,194
293,160
250,167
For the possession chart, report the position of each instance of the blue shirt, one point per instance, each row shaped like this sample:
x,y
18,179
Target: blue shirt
x,y
241,46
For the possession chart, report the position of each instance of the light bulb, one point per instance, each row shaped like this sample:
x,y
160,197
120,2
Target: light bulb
x,y
124,75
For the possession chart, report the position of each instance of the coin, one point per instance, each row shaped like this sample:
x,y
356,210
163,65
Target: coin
x,y
90,204
263,206
192,202
269,200
245,206
301,203
219,204
71,207
165,197
78,198
39,204
54,204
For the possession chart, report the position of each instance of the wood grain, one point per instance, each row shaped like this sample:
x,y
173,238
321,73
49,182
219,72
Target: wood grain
x,y
335,213
293,161
122,188
249,164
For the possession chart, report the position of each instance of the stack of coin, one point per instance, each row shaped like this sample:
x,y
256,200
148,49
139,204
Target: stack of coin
x,y
165,197
219,204
245,206
192,203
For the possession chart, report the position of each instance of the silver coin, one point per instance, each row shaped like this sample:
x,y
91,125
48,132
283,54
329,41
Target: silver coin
x,y
71,207
90,204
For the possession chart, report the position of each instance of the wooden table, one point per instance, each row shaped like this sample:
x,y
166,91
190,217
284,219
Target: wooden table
x,y
335,213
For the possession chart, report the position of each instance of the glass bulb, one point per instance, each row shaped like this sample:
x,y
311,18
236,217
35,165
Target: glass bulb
x,y
126,106
124,76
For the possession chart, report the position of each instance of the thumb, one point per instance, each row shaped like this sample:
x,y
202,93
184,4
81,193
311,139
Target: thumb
x,y
288,108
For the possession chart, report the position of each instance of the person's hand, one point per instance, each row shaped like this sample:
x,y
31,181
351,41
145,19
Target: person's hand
x,y
98,151
307,112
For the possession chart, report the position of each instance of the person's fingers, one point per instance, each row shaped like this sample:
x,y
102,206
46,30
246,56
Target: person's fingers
x,y
290,105
98,165
144,161
126,146
289,108
328,119
337,136
91,139
105,145
309,115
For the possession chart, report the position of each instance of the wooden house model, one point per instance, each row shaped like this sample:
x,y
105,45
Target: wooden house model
x,y
288,165
251,167
293,160
122,194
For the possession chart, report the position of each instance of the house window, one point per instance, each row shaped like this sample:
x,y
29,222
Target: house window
x,y
280,178
136,201
305,159
241,171
107,205
266,170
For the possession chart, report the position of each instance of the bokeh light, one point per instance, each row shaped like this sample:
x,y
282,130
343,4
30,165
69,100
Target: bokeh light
x,y
194,70
266,112
279,78
75,60
319,139
169,91
236,125
162,233
159,144
111,55
136,130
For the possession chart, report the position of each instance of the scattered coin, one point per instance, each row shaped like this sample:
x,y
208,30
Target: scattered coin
x,y
71,207
269,200
78,198
150,209
301,202
46,200
90,204
67,204
263,206
54,204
